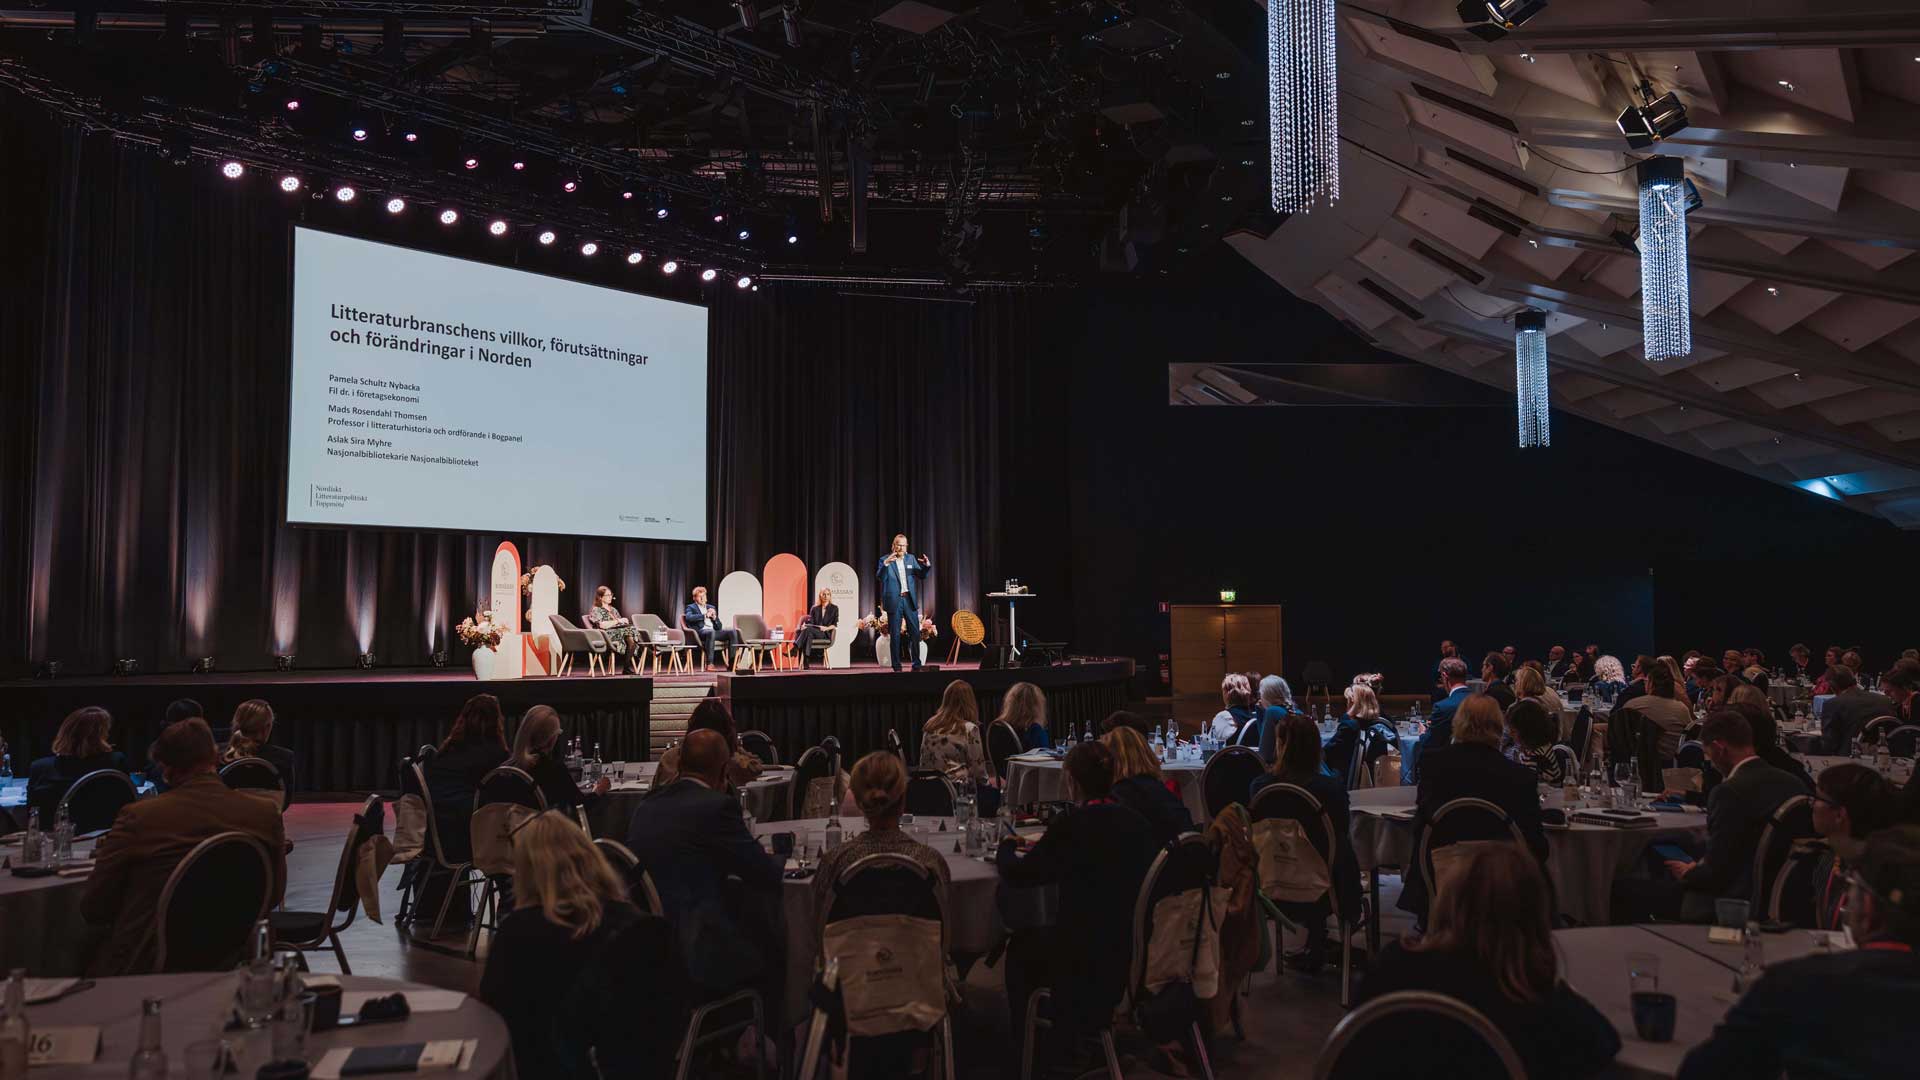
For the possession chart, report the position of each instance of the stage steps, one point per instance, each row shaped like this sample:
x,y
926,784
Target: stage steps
x,y
673,703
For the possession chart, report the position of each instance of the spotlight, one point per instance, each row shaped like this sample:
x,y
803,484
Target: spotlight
x,y
497,227
709,274
660,213
449,216
633,258
127,666
547,237
203,666
394,206
293,104
750,15
626,194
718,217
1489,20
344,193
744,282
412,137
439,659
366,660
1644,125
669,266
519,166
233,170
744,233
359,134
793,238
289,183
283,661
589,248
472,163
570,186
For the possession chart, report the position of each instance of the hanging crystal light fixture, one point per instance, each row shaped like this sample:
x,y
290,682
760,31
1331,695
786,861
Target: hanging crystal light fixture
x,y
1530,377
1666,307
1303,104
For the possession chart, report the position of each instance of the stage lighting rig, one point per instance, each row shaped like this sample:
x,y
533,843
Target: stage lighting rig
x,y
1655,119
749,15
283,662
204,666
1489,20
439,659
366,661
126,666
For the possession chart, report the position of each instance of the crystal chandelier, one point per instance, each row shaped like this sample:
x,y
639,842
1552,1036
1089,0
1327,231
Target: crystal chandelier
x,y
1303,104
1530,377
1666,313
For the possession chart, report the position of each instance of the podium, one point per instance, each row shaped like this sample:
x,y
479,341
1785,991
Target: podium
x,y
1010,649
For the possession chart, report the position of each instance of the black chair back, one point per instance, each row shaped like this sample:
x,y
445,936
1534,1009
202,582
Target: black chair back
x,y
1691,755
894,745
1647,752
640,888
1295,803
1002,743
1188,862
884,884
509,784
1792,820
1877,727
210,902
1249,733
813,765
1417,1035
1461,821
95,800
760,745
1582,733
1228,775
930,793
254,774
1903,740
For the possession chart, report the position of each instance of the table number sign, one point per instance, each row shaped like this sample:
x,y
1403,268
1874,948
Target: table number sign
x,y
64,1046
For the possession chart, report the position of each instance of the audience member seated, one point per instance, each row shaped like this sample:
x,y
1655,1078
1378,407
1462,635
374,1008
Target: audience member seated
x,y
1636,679
1751,703
1138,785
1529,684
1821,685
1098,854
1453,679
1363,711
1659,707
1237,694
534,752
1493,674
79,747
1900,684
475,746
1737,810
1299,765
1799,663
690,838
571,939
1471,767
251,737
1534,741
1850,802
711,714
879,787
1556,663
1276,704
1753,667
1608,680
1840,1013
951,741
1024,708
1489,944
152,835
1847,714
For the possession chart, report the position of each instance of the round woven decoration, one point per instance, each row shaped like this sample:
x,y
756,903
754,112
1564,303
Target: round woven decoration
x,y
968,627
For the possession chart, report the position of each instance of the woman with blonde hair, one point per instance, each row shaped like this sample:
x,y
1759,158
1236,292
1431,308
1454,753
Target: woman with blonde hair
x,y
1363,711
571,911
1139,785
534,747
1237,694
951,742
79,747
1609,678
878,787
251,738
1529,683
1025,708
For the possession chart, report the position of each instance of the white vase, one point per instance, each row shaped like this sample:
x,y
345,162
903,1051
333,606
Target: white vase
x,y
483,658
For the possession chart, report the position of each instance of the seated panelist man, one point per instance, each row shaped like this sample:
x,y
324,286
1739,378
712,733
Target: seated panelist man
x,y
701,618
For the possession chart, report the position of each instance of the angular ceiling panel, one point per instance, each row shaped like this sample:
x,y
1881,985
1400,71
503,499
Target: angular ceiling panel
x,y
1854,322
1447,222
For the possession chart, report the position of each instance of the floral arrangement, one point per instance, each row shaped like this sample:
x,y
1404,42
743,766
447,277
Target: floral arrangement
x,y
479,630
875,623
526,580
928,630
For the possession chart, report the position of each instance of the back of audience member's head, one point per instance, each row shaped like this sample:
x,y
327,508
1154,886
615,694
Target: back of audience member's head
x,y
1910,654
83,733
1766,734
184,749
1299,754
1608,669
1852,661
1494,664
1131,755
1840,677
559,870
1126,718
252,727
1903,677
957,710
1870,802
1748,694
1479,721
1887,885
1453,670
879,785
1659,679
180,709
704,754
1641,664
1528,683
1024,706
1275,691
1362,704
1728,726
1494,913
1532,726
1704,672
1089,767
539,727
1234,691
1720,690
479,724
711,714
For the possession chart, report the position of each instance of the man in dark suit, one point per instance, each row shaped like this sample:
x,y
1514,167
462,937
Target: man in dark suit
x,y
701,618
151,836
1738,809
1494,671
690,839
1849,711
1827,1014
1556,662
897,579
1453,681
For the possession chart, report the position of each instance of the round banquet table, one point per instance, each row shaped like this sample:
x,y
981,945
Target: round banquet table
x,y
40,924
198,1005
765,798
1582,860
1698,973
973,912
1041,778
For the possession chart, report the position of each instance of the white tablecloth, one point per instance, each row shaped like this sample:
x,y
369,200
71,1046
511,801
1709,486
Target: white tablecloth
x,y
1031,780
40,924
766,798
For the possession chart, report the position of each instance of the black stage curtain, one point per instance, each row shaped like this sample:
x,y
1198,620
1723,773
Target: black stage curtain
x,y
145,335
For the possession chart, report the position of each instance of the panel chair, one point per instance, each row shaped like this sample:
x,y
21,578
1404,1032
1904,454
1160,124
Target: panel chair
x,y
256,776
752,628
655,639
314,930
506,799
210,903
1417,1035
95,799
1290,802
574,640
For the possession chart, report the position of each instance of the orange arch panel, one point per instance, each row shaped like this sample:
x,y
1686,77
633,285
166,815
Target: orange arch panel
x,y
783,592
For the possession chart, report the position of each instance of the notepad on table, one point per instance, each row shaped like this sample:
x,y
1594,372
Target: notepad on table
x,y
441,1054
419,1001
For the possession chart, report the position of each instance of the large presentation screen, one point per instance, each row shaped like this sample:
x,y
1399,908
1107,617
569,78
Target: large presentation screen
x,y
436,393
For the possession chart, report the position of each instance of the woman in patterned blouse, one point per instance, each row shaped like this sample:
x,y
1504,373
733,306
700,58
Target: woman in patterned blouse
x,y
606,618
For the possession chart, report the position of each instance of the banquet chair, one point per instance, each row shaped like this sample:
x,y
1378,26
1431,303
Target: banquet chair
x,y
314,930
1249,734
507,798
1374,741
813,765
573,639
930,793
1875,729
1582,734
1465,821
1903,740
760,745
1792,820
639,882
434,856
95,799
1416,1035
1002,743
1317,675
1184,865
257,776
1227,776
894,745
210,903
886,906
1691,755
1290,802
739,1011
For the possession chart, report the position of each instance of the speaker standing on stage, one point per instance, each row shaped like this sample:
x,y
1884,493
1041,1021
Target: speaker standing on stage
x,y
898,579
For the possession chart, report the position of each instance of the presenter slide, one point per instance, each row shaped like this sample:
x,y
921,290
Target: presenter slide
x,y
437,393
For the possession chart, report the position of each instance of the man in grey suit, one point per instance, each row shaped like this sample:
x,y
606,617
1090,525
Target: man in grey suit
x,y
1849,711
1737,810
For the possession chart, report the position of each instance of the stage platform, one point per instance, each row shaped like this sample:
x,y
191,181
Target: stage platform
x,y
350,728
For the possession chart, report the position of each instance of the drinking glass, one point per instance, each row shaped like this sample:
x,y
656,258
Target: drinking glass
x,y
259,990
291,1021
1643,972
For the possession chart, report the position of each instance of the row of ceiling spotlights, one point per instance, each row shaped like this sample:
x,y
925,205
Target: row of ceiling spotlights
x,y
346,193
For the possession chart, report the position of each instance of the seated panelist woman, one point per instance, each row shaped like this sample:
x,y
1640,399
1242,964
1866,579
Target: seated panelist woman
x,y
823,618
607,619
